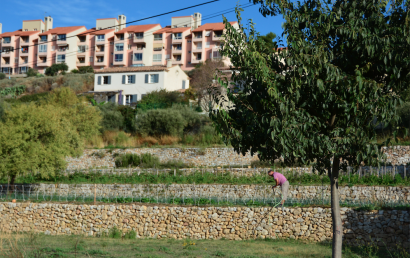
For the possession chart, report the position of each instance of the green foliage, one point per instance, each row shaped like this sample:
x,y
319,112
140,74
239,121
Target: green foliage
x,y
112,119
145,160
130,235
2,109
161,122
54,69
39,75
13,91
36,138
129,115
86,69
31,72
114,232
404,112
2,76
76,82
29,98
74,71
268,42
162,98
193,120
126,160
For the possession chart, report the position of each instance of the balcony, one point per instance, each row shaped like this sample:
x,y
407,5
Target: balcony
x,y
24,42
59,61
99,53
24,52
197,50
82,62
5,64
62,50
100,41
196,59
42,53
6,42
23,62
43,39
138,39
177,59
217,36
177,50
7,53
176,39
42,62
100,62
61,42
197,38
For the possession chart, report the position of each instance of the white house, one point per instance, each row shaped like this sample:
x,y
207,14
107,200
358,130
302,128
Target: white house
x,y
127,85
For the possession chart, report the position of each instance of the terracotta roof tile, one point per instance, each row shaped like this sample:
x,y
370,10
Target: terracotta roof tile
x,y
138,28
172,30
9,34
62,30
100,32
132,69
212,26
26,33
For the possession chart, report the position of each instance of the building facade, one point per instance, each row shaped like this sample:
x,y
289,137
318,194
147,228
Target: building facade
x,y
111,44
127,85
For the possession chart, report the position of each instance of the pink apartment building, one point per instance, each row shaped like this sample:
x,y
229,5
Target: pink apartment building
x,y
185,41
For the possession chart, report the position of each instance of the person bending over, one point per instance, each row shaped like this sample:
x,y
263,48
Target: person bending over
x,y
282,182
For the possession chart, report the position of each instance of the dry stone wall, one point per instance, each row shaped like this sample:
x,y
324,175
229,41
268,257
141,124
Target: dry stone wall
x,y
355,193
236,223
397,155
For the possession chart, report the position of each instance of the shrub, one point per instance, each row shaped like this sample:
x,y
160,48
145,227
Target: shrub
x,y
210,136
128,159
31,72
193,120
2,76
161,122
74,71
121,139
404,113
56,68
129,115
85,69
39,75
149,161
162,97
112,118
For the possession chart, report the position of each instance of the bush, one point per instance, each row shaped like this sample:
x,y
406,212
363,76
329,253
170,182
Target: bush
x,y
56,68
39,75
162,97
74,71
2,76
112,118
31,72
85,69
146,160
129,115
210,136
78,83
161,122
193,120
149,161
404,112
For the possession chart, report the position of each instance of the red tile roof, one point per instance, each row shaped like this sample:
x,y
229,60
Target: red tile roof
x,y
98,32
138,28
62,30
172,30
212,26
18,33
132,69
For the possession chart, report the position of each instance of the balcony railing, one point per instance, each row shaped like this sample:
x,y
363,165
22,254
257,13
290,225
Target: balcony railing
x,y
62,49
198,37
24,51
81,62
198,48
139,37
100,60
5,63
61,39
157,39
6,41
42,60
81,40
118,60
24,41
43,40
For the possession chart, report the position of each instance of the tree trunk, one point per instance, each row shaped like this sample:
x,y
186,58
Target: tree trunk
x,y
336,218
12,180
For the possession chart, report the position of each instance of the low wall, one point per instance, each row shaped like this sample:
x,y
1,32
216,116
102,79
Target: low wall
x,y
315,224
397,155
355,193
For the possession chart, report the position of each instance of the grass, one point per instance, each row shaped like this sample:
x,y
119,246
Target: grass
x,y
39,245
200,177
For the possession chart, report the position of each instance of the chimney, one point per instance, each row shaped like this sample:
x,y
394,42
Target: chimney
x,y
169,63
122,20
48,23
197,20
1,28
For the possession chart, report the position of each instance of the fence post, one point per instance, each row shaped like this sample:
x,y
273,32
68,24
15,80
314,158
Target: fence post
x,y
404,175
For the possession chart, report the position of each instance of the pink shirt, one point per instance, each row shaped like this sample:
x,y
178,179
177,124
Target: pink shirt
x,y
282,179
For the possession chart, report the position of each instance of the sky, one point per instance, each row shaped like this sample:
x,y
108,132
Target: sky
x,y
85,12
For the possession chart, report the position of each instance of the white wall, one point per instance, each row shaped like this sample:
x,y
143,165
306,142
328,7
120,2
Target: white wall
x,y
106,23
174,78
149,46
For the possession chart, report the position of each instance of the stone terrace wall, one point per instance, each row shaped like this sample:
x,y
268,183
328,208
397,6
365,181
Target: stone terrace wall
x,y
397,155
355,193
315,224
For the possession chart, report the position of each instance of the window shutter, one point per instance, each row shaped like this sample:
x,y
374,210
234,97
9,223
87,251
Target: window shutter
x,y
133,78
156,78
109,79
134,98
146,78
183,85
99,80
123,79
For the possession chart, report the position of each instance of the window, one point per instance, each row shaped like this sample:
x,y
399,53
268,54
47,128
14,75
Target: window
x,y
140,35
189,41
183,84
61,37
82,49
42,48
60,58
121,37
177,35
185,25
91,59
138,57
106,80
119,47
189,62
166,57
43,38
16,60
207,33
100,37
157,58
207,44
7,40
128,79
178,47
99,28
118,57
35,29
129,99
158,37
129,46
53,48
151,78
25,29
189,52
137,65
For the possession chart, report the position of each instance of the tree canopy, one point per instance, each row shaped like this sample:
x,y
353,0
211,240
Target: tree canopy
x,y
268,41
347,63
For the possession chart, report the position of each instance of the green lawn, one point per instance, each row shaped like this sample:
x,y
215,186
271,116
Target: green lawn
x,y
34,245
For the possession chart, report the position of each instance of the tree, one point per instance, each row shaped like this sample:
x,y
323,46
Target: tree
x,y
203,84
85,118
347,62
2,76
267,40
85,69
36,138
56,68
31,72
